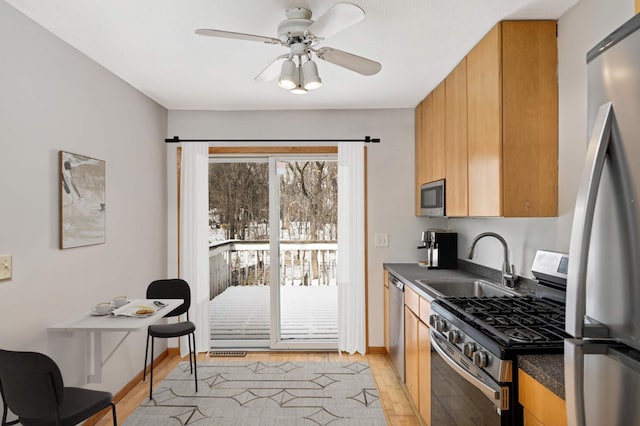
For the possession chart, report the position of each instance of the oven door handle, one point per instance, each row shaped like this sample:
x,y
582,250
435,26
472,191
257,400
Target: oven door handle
x,y
495,394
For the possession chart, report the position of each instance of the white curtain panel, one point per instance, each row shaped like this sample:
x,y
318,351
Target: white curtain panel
x,y
350,268
194,241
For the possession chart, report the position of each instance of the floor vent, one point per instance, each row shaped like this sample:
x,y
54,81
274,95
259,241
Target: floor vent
x,y
227,353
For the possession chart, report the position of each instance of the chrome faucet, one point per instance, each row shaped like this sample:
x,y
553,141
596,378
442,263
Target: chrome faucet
x,y
509,276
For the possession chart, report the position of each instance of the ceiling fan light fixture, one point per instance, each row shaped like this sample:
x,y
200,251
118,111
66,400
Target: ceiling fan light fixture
x,y
311,78
288,75
299,90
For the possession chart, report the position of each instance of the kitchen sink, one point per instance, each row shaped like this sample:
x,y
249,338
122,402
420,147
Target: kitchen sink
x,y
465,287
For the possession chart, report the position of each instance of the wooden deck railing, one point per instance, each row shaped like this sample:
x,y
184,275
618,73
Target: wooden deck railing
x,y
242,263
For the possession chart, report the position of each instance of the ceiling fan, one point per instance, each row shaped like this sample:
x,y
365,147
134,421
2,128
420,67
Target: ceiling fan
x,y
296,71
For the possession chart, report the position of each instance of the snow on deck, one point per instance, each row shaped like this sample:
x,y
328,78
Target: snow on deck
x,y
242,313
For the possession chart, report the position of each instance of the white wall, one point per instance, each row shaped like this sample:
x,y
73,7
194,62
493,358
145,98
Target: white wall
x,y
390,173
54,98
579,29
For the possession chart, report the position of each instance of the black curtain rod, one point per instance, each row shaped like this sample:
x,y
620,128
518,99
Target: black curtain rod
x,y
367,139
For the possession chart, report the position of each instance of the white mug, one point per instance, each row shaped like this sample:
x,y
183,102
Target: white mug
x,y
119,301
102,308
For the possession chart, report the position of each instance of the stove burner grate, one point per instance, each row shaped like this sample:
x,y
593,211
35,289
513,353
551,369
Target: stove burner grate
x,y
523,335
513,320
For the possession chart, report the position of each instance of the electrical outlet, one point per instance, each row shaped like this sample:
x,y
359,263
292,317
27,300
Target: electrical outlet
x,y
381,240
5,266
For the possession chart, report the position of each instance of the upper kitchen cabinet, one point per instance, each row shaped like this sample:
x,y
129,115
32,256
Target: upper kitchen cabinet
x,y
419,154
455,130
430,143
512,123
433,120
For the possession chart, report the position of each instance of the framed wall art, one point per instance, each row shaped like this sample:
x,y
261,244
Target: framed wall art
x,y
82,201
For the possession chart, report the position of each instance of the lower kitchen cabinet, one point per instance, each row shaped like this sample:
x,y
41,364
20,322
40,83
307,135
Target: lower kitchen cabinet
x,y
541,406
411,366
424,371
418,352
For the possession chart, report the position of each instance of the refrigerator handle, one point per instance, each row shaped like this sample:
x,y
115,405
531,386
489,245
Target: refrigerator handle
x,y
574,352
574,368
574,382
583,221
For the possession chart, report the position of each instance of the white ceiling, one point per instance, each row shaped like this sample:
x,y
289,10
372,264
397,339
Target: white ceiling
x,y
152,46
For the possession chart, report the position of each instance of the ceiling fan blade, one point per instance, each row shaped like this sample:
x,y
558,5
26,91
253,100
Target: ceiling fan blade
x,y
339,17
272,71
349,61
237,36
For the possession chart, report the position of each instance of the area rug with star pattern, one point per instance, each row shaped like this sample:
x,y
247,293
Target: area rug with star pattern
x,y
264,393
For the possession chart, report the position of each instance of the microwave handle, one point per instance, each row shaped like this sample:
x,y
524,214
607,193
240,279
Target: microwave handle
x,y
583,221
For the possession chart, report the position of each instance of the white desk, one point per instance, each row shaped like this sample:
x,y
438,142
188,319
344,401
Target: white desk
x,y
93,326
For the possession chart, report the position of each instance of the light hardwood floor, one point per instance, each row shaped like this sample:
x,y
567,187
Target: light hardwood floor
x,y
397,407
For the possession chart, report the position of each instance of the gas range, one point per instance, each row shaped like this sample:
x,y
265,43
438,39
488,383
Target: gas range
x,y
491,331
480,338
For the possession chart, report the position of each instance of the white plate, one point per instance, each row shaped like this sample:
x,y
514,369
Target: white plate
x,y
95,313
143,315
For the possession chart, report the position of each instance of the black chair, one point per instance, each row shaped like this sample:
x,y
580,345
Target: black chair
x,y
171,289
32,388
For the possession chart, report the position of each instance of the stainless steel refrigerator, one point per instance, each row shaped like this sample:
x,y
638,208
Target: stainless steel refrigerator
x,y
602,361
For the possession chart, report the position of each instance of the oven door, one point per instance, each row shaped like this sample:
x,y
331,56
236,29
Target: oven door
x,y
461,393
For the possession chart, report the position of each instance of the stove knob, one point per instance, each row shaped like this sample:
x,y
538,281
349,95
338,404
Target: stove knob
x,y
455,337
480,358
432,320
441,325
469,348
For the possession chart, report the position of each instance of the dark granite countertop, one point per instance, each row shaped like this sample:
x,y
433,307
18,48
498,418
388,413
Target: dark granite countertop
x,y
546,369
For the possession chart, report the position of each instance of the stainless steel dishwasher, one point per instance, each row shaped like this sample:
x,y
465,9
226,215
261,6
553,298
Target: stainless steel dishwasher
x,y
396,324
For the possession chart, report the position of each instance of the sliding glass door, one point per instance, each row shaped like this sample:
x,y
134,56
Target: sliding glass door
x,y
303,289
273,243
239,252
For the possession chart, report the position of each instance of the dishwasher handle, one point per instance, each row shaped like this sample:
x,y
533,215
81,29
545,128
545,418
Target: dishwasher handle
x,y
396,283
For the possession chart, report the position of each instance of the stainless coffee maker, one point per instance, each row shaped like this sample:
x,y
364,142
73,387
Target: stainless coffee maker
x,y
442,249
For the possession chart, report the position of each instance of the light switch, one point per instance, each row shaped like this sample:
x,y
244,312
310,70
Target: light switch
x,y
381,240
5,266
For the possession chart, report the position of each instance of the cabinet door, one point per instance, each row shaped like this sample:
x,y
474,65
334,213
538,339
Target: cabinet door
x,y
436,143
541,404
456,141
411,355
427,139
530,419
530,118
485,125
424,367
419,154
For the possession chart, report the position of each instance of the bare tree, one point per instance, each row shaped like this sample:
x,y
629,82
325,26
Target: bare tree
x,y
239,192
309,191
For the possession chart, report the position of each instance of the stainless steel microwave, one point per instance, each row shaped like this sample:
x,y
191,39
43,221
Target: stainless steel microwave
x,y
432,199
